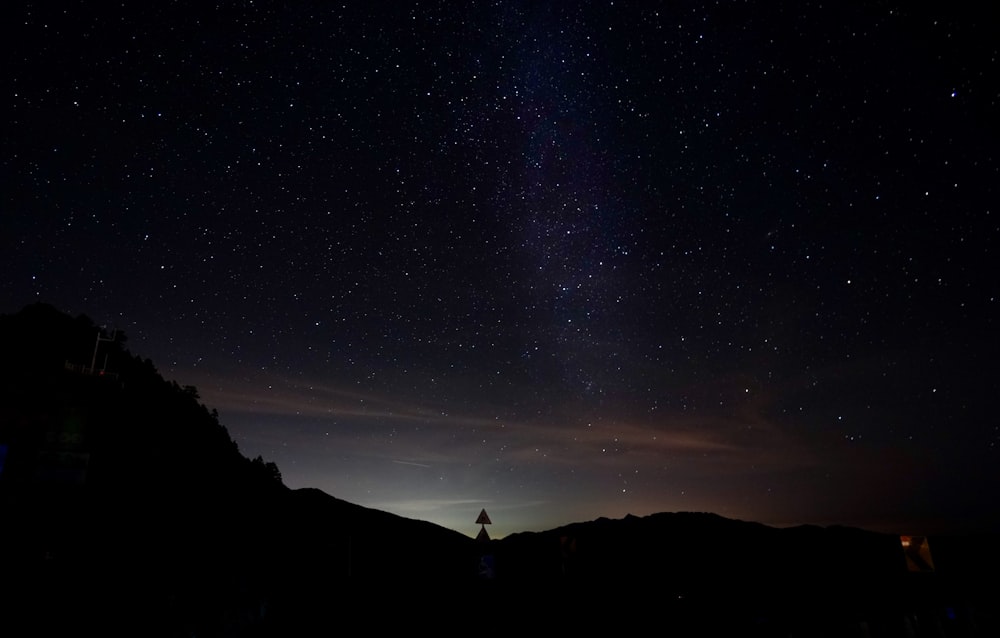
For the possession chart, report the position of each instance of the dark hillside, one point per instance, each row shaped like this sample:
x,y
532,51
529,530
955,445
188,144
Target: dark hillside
x,y
124,501
698,572
127,509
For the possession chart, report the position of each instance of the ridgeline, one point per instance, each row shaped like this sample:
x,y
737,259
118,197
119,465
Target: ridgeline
x,y
127,509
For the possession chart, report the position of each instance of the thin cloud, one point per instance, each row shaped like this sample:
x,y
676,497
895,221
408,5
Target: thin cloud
x,y
413,463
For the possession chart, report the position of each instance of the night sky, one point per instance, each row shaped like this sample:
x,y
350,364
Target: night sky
x,y
555,260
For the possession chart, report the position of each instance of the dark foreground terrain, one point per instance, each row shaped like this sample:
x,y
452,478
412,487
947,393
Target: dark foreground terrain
x,y
126,509
799,582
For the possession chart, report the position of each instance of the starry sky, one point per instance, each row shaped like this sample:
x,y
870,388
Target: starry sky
x,y
555,260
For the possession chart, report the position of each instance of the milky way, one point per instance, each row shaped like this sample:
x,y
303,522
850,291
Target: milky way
x,y
558,261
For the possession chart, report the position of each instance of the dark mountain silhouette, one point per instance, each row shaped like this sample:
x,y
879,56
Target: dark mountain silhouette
x,y
126,508
701,574
125,503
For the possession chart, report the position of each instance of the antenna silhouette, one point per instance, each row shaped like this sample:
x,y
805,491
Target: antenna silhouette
x,y
93,359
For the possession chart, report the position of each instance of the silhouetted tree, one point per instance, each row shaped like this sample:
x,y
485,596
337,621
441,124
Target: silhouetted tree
x,y
266,470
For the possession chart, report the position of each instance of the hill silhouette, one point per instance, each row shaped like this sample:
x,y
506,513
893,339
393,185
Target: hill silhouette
x,y
126,503
127,508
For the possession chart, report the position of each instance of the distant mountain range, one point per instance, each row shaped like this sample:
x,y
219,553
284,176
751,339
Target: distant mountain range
x,y
126,508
